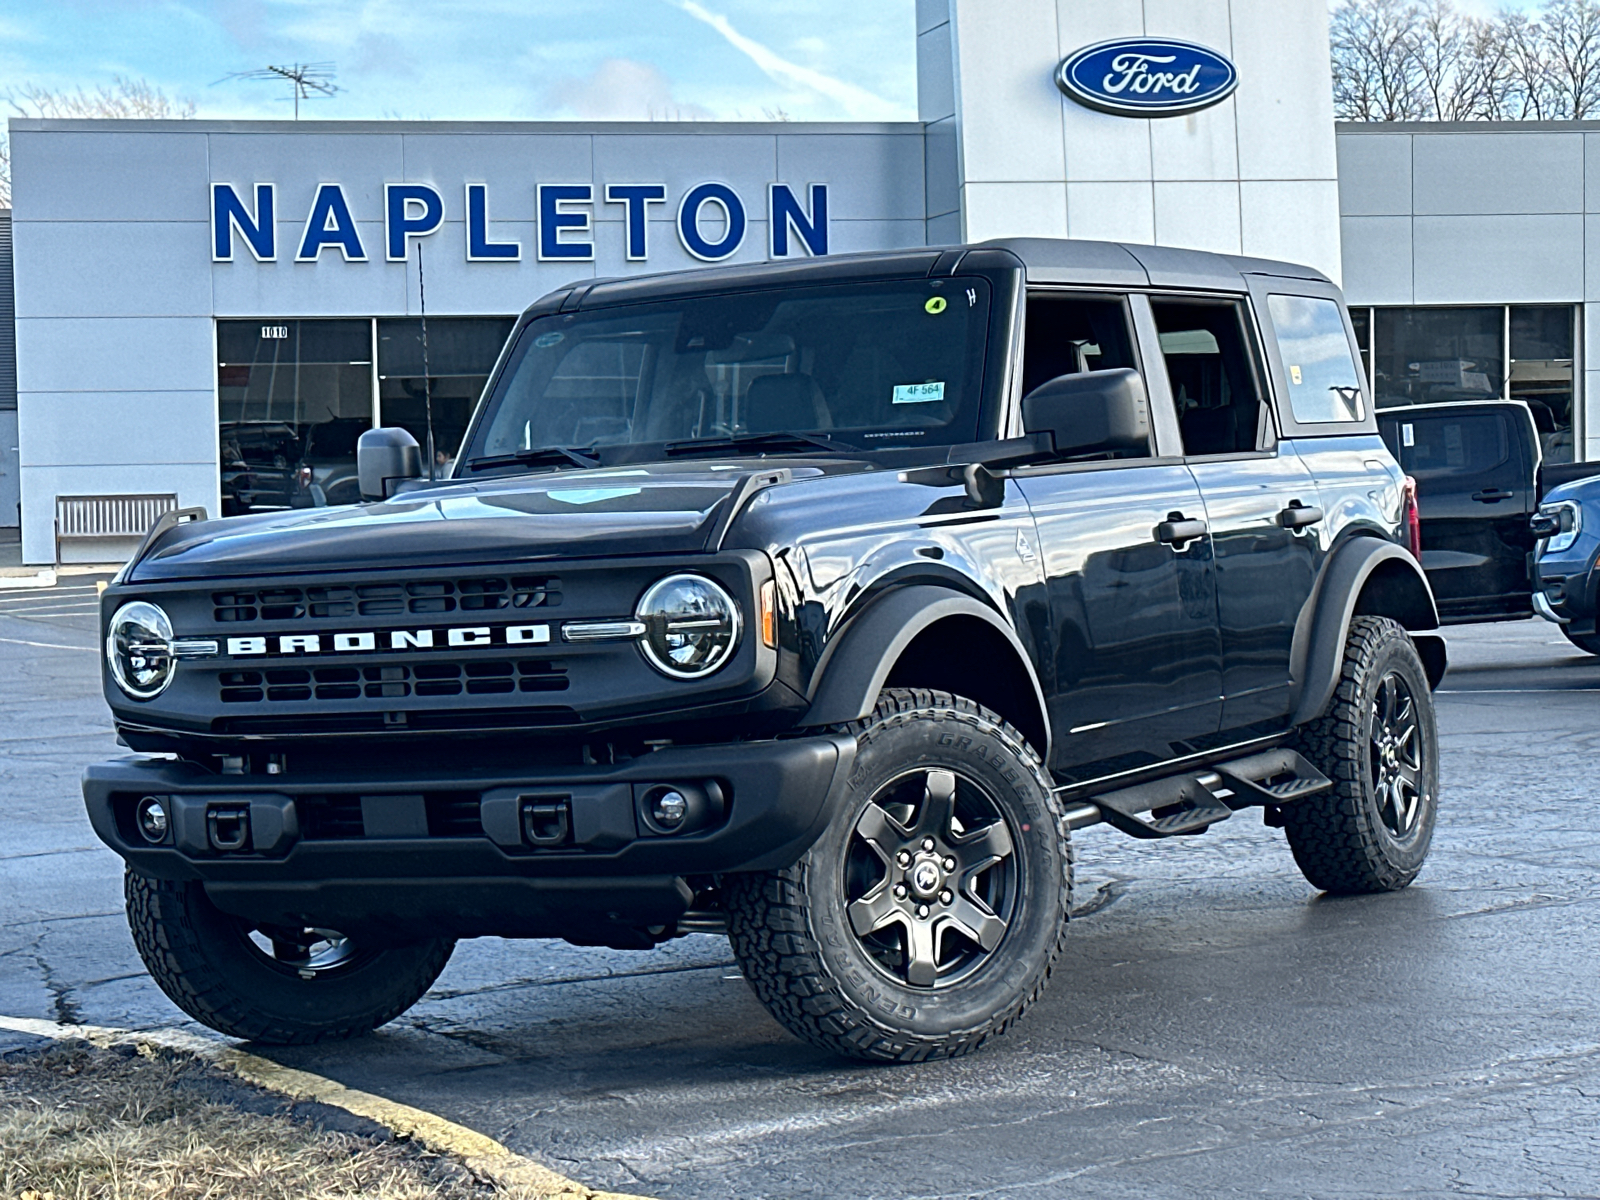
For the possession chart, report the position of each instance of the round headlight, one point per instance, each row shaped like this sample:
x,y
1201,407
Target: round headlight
x,y
691,626
139,650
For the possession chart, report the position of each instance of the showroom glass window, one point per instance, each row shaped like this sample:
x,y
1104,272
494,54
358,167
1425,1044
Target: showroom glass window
x,y
461,353
1541,372
1425,355
1515,352
292,397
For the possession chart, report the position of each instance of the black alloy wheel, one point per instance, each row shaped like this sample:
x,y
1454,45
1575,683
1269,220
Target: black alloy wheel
x,y
1396,756
930,913
304,952
930,877
1378,743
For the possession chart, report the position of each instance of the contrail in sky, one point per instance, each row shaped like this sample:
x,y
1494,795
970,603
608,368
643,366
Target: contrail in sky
x,y
856,101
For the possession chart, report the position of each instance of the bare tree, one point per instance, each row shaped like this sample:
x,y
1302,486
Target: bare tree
x,y
1572,56
1424,60
123,98
1456,83
1376,73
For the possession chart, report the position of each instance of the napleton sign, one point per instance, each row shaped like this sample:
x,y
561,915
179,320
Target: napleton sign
x,y
564,212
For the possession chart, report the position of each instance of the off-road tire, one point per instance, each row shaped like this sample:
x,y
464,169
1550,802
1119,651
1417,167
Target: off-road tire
x,y
198,956
1339,838
795,945
1589,643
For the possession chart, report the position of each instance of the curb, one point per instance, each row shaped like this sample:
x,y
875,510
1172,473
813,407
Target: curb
x,y
24,578
516,1175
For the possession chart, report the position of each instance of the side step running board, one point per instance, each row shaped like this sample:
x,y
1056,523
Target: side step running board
x,y
1192,803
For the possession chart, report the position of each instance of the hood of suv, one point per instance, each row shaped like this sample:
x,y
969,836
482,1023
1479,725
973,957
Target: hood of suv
x,y
657,509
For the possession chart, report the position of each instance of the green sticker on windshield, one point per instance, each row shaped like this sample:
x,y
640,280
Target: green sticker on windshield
x,y
936,305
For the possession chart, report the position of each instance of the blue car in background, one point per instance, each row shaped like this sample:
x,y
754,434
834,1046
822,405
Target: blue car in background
x,y
1566,575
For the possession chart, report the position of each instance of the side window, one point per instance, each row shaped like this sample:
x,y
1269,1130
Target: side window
x,y
1067,335
1213,374
1471,444
1324,383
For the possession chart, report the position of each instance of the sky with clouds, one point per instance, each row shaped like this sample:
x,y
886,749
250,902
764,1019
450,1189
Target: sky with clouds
x,y
813,60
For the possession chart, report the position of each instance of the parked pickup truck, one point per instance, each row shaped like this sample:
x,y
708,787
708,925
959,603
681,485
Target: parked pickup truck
x,y
1476,466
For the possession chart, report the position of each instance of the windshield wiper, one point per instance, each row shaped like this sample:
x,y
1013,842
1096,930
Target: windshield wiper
x,y
539,456
757,443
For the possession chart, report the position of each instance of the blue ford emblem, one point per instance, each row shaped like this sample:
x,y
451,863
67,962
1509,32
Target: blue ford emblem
x,y
1147,77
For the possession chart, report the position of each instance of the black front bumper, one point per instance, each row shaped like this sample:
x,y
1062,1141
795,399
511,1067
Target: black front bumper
x,y
445,853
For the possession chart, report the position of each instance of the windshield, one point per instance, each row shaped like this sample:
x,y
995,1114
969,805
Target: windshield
x,y
862,366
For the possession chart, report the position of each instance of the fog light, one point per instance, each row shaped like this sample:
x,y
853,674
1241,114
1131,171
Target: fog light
x,y
152,815
668,809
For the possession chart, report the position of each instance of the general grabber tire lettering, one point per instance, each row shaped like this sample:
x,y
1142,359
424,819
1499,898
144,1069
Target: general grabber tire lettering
x,y
1378,742
302,987
930,914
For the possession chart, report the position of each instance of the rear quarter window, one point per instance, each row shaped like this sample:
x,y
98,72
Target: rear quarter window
x,y
1324,380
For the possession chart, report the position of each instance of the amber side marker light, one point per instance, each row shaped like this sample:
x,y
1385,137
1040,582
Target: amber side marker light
x,y
769,614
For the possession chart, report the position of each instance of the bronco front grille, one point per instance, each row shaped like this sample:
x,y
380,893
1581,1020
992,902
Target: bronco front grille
x,y
387,599
391,682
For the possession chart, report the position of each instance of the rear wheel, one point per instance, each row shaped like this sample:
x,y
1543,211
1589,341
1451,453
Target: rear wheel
x,y
1380,746
268,983
930,914
1589,643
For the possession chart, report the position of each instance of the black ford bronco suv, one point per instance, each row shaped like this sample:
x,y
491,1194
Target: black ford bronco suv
x,y
817,602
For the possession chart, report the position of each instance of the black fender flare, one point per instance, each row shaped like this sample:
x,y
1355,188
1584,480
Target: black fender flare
x,y
1318,652
859,657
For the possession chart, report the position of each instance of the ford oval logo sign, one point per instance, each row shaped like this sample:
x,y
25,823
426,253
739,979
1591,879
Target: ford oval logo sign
x,y
1147,77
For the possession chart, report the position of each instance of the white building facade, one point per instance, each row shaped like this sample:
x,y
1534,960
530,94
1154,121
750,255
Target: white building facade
x,y
205,310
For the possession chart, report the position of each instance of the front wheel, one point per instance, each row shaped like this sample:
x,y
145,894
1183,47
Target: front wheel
x,y
1589,643
268,983
929,915
1378,742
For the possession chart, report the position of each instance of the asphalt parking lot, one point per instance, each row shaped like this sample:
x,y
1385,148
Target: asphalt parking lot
x,y
1216,1029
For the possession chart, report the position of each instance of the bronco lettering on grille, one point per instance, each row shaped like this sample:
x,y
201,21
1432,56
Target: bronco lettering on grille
x,y
365,642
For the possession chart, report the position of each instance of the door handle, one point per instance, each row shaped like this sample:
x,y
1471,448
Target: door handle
x,y
1492,495
1298,516
1177,529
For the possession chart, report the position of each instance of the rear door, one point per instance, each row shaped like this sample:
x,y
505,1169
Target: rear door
x,y
1475,493
1260,499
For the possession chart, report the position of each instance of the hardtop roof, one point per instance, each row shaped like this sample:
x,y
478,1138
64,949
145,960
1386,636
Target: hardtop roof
x,y
1045,260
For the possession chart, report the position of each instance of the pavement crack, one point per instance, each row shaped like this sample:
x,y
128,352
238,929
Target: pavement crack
x,y
1104,897
64,1006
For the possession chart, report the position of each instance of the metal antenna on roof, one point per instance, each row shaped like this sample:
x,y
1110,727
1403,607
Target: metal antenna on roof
x,y
305,79
427,383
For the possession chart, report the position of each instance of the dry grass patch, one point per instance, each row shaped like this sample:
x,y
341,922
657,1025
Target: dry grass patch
x,y
79,1123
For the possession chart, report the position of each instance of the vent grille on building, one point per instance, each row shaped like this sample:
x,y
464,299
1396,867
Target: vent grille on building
x,y
8,322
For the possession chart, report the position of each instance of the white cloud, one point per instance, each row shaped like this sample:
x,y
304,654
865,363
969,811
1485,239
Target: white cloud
x,y
857,103
622,89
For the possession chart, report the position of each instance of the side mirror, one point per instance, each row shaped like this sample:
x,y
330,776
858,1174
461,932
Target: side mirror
x,y
1095,412
384,457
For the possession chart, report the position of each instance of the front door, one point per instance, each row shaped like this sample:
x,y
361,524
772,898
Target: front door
x,y
1136,670
1260,501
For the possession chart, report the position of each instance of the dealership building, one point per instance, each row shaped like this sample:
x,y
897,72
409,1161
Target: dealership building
x,y
193,304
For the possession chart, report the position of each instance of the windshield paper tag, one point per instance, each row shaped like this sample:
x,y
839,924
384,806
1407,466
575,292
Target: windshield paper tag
x,y
918,393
